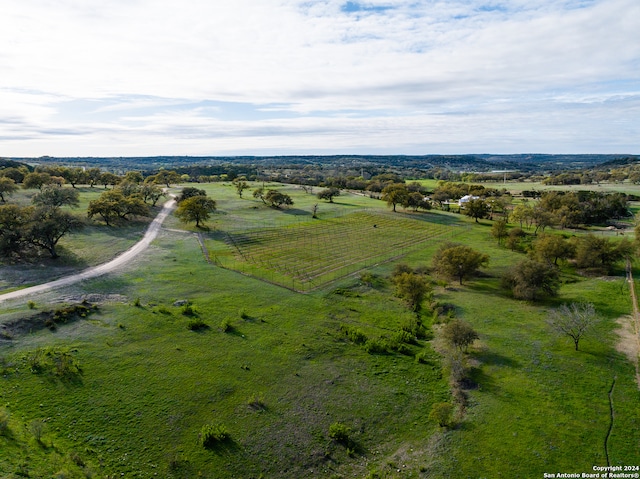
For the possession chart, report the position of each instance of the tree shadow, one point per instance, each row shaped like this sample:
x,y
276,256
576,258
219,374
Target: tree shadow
x,y
477,379
495,359
226,448
295,211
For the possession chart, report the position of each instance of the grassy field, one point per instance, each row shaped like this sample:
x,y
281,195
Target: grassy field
x,y
517,187
275,368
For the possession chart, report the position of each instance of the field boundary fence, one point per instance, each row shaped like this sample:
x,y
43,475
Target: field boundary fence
x,y
306,255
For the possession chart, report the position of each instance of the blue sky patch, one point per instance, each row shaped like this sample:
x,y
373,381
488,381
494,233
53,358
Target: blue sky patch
x,y
355,7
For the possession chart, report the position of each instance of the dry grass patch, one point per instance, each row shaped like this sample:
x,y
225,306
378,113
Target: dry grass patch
x,y
628,342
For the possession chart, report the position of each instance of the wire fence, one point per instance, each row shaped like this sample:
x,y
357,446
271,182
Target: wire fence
x,y
305,255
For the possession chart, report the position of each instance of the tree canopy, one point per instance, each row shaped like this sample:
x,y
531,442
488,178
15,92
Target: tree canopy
x,y
7,187
196,209
113,204
458,261
476,208
328,194
277,199
532,280
395,194
56,196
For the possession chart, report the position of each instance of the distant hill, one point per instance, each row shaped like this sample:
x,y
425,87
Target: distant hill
x,y
6,163
617,162
472,162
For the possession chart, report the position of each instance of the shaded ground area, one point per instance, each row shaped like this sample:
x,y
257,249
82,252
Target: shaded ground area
x,y
21,325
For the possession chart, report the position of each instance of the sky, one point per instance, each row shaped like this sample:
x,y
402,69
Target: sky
x,y
294,77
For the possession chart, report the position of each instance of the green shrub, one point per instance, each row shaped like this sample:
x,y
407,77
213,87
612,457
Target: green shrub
x,y
137,303
37,428
57,361
403,336
256,401
376,346
63,315
339,432
354,334
441,413
244,315
31,305
226,326
368,279
196,324
212,435
188,310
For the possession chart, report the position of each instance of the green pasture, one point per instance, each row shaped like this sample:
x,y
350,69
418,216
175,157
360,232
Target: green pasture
x,y
517,187
274,367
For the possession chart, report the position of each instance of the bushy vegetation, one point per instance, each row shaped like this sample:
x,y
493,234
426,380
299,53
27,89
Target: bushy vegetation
x,y
212,435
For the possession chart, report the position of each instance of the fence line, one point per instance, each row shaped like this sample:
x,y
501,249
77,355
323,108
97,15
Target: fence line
x,y
277,260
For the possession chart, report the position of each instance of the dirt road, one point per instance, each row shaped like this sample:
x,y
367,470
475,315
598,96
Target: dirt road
x,y
124,258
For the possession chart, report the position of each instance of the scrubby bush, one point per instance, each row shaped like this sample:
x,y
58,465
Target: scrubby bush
x,y
459,334
354,334
441,413
376,346
196,324
256,401
68,313
57,361
339,432
212,435
226,326
188,310
369,279
403,336
37,428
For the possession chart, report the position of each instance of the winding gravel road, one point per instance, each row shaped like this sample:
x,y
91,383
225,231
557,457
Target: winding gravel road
x,y
124,258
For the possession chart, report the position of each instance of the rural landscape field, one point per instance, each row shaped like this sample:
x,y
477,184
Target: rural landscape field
x,y
321,336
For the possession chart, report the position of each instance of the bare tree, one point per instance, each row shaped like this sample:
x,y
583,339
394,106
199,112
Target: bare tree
x,y
573,320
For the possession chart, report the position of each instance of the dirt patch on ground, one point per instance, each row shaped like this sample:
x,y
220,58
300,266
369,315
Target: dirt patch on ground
x,y
628,343
94,298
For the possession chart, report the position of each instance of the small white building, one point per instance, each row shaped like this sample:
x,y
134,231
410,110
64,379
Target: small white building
x,y
466,199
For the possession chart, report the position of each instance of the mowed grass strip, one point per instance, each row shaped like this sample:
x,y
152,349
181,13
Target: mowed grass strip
x,y
317,252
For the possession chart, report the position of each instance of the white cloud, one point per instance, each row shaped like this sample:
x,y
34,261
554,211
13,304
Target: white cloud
x,y
93,68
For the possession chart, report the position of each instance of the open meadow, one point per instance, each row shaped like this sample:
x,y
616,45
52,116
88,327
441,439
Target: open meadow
x,y
263,326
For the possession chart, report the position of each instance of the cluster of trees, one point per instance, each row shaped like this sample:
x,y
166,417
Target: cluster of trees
x,y
537,276
56,174
565,209
571,209
407,196
39,226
